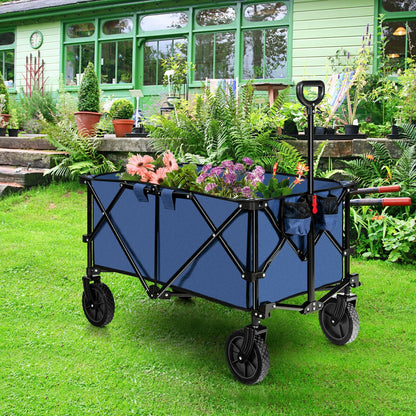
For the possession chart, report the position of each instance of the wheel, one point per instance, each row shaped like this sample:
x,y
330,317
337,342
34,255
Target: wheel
x,y
339,331
256,367
100,309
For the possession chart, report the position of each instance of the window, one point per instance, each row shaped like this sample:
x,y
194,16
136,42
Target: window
x,y
265,53
399,29
213,17
164,21
7,40
116,62
214,55
80,30
116,27
154,52
265,12
76,60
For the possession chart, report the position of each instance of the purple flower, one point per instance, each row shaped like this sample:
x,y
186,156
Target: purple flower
x,y
202,177
247,161
216,171
227,164
207,167
239,167
246,191
230,177
210,187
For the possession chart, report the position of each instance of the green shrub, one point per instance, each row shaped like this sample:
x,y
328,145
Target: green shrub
x,y
3,91
122,109
89,92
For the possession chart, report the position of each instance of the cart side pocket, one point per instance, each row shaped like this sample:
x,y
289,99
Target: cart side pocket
x,y
297,216
326,217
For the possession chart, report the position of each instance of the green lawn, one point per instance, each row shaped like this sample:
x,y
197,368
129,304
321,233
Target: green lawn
x,y
167,357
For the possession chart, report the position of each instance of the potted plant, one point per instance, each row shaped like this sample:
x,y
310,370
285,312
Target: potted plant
x,y
13,126
175,71
121,112
354,93
4,109
88,114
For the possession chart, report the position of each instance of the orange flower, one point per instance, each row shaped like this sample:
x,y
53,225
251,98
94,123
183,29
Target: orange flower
x,y
170,161
301,168
378,217
158,176
369,157
138,165
274,169
297,181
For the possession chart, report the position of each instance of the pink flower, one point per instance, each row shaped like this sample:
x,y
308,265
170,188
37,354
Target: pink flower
x,y
158,176
247,161
210,187
138,165
170,161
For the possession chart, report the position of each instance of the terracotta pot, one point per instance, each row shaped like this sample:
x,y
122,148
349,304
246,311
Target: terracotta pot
x,y
5,118
86,121
122,126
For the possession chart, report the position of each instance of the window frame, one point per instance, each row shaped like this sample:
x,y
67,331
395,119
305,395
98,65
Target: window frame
x,y
9,48
388,16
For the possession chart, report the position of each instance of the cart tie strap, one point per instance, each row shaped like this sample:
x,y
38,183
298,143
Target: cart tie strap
x,y
167,199
139,191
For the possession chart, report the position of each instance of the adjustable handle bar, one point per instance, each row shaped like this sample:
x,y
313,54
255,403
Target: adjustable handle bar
x,y
376,190
301,95
381,202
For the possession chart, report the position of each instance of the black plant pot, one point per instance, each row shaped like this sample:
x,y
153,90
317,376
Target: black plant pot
x,y
351,129
2,131
319,130
290,128
13,132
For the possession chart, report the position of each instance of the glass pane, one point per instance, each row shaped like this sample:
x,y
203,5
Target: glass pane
x,y
6,38
164,21
213,17
220,65
150,63
124,61
8,74
265,12
276,53
115,27
81,30
253,54
397,34
108,63
204,56
399,5
77,58
265,54
224,55
154,52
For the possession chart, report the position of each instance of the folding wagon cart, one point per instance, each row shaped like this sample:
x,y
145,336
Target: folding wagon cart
x,y
248,254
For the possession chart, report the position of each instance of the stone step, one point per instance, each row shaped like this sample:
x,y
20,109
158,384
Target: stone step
x,y
32,158
28,141
23,176
6,188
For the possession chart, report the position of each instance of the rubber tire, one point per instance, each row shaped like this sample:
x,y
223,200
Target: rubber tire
x,y
100,311
346,330
256,367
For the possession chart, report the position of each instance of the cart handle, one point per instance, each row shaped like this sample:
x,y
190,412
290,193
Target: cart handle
x,y
308,83
383,202
377,190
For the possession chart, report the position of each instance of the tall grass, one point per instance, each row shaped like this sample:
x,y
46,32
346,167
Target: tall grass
x,y
167,357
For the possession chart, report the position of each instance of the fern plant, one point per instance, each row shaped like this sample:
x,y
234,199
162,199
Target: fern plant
x,y
79,154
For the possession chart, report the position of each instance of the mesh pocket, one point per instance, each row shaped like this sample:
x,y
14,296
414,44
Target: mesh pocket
x,y
297,217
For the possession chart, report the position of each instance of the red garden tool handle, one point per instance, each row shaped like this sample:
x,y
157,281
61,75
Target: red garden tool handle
x,y
383,202
377,190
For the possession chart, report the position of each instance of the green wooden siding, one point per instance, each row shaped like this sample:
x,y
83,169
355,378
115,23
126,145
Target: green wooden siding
x,y
320,28
49,52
